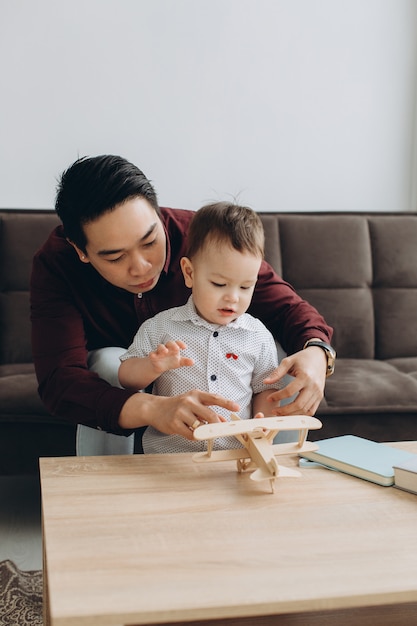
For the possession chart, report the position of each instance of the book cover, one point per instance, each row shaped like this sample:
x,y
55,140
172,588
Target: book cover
x,y
360,457
405,475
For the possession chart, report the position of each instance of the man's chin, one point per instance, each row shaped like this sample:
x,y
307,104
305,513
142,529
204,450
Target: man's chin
x,y
143,287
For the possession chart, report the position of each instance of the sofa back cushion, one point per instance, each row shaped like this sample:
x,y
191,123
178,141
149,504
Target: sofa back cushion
x,y
394,250
359,270
21,234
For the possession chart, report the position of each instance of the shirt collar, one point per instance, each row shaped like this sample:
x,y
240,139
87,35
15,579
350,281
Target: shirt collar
x,y
188,313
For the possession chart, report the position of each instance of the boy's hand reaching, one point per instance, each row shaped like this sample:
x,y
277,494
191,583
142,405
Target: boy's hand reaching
x,y
139,372
168,357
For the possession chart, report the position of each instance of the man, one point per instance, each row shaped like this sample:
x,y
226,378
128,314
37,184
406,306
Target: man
x,y
114,263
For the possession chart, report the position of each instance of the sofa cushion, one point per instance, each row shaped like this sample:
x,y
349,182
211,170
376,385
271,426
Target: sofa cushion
x,y
328,259
326,252
394,253
395,322
21,234
371,386
352,316
19,398
359,270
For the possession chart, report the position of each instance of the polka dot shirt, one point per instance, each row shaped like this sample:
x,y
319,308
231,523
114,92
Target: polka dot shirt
x,y
230,360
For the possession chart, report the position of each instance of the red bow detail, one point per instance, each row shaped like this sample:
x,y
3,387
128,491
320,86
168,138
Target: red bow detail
x,y
230,355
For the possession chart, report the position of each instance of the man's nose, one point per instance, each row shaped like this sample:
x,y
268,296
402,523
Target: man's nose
x,y
139,265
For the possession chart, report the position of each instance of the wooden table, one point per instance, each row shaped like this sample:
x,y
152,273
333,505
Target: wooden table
x,y
160,539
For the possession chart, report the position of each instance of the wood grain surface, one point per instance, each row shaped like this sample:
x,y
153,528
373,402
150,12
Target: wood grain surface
x,y
160,539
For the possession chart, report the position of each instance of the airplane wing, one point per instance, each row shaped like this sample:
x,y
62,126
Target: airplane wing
x,y
241,427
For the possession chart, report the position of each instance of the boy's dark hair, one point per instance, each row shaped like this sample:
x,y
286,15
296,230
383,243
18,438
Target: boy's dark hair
x,y
225,222
93,186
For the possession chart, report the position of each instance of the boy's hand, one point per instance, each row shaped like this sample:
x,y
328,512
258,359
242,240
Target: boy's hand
x,y
168,357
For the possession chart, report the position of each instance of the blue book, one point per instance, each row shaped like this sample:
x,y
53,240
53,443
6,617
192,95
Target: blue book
x,y
360,457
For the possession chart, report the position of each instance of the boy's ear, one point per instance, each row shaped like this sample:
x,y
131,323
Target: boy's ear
x,y
81,255
187,271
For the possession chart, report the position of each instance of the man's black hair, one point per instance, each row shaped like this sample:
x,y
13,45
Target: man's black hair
x,y
93,186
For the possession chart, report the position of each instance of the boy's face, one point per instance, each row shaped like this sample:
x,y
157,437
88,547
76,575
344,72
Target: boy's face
x,y
127,246
222,280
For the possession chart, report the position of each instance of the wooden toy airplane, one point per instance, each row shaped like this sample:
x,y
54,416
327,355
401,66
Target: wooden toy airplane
x,y
256,437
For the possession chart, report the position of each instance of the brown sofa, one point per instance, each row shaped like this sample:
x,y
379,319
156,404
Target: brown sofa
x,y
359,270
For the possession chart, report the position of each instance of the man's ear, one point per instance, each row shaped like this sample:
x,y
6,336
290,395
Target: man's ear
x,y
187,271
81,255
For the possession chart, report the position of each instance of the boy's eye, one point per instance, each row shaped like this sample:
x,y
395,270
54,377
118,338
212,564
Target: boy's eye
x,y
218,284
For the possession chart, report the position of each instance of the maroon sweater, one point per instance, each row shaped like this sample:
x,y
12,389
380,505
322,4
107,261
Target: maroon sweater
x,y
74,310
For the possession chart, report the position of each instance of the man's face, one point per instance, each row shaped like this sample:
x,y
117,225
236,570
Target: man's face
x,y
127,246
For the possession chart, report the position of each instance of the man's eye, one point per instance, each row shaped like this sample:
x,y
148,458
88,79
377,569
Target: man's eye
x,y
119,258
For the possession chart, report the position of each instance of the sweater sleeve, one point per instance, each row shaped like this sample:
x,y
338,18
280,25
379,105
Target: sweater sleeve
x,y
66,386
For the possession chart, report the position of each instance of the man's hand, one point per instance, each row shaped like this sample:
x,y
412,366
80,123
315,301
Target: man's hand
x,y
308,367
175,415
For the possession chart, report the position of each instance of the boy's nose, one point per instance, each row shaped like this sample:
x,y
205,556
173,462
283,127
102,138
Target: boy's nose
x,y
232,296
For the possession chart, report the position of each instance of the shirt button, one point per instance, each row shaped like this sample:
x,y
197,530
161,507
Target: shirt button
x,y
215,334
213,377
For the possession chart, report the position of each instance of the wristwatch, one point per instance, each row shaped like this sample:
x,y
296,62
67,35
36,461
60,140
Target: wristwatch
x,y
329,351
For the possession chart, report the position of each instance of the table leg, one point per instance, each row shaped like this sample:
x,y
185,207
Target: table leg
x,y
45,605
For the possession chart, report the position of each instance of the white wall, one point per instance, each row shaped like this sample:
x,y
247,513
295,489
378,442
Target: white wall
x,y
290,104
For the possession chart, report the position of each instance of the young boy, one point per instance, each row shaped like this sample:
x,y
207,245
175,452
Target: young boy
x,y
222,349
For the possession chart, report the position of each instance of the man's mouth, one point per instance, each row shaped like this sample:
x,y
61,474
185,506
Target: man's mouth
x,y
145,285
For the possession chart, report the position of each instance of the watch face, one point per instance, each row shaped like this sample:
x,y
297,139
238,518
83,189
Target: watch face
x,y
330,353
331,357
